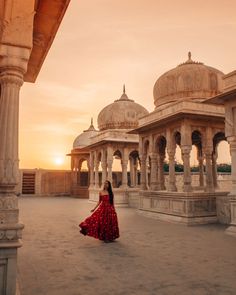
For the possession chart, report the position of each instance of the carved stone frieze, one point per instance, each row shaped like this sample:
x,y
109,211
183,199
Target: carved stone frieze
x,y
8,203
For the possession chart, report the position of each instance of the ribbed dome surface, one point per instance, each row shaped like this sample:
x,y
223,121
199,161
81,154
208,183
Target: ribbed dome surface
x,y
84,138
121,114
190,80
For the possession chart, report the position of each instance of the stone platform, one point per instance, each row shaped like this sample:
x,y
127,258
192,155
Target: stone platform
x,y
151,257
184,207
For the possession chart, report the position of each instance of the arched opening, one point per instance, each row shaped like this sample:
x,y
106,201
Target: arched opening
x,y
197,160
178,158
160,147
117,169
133,175
221,159
144,168
83,177
99,159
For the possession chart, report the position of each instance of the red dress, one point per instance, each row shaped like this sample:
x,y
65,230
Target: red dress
x,y
102,224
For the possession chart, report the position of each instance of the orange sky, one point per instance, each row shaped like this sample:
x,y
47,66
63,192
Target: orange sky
x,y
102,44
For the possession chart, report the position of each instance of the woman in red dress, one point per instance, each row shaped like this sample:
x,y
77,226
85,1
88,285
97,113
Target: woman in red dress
x,y
102,224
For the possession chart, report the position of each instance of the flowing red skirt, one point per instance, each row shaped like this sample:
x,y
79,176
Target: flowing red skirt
x,y
103,223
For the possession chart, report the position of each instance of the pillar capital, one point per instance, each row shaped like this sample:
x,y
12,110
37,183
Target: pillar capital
x,y
186,149
14,58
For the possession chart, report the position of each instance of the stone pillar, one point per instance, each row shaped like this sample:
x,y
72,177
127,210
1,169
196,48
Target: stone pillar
x,y
104,168
109,163
72,172
135,172
172,185
96,165
132,172
214,169
91,171
232,142
160,172
143,172
232,228
209,177
185,152
208,150
201,171
11,79
153,180
124,164
79,172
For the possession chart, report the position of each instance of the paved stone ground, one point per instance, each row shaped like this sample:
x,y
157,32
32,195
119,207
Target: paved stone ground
x,y
150,258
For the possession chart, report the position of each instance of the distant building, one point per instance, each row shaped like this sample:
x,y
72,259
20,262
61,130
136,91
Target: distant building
x,y
181,119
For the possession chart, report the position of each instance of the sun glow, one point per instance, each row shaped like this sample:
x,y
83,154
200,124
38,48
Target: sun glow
x,y
58,161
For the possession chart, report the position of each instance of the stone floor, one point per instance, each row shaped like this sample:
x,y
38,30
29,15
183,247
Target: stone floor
x,y
150,258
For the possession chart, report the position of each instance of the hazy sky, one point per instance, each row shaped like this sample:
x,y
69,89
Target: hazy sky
x,y
102,44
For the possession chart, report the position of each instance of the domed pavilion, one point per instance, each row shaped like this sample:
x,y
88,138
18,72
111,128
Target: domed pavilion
x,y
100,148
180,121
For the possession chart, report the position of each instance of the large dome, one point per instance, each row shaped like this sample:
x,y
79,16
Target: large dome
x,y
123,113
84,138
190,80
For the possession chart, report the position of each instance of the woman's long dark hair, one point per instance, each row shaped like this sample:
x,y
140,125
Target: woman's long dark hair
x,y
110,192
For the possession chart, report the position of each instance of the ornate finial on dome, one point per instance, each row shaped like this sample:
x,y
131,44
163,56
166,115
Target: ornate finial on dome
x,y
124,96
189,55
190,61
91,127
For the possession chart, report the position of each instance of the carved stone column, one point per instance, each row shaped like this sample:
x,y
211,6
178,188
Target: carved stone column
x,y
232,142
109,163
73,174
11,79
124,164
153,180
91,170
208,150
232,195
96,165
104,169
172,185
201,171
214,169
185,152
78,182
135,172
209,176
143,172
132,173
160,172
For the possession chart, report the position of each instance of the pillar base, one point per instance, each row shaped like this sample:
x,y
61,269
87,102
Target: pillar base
x,y
154,187
209,189
231,230
172,188
187,188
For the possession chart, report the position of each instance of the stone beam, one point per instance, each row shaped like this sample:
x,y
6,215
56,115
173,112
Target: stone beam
x,y
48,17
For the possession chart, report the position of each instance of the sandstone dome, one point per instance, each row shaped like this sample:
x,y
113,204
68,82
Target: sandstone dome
x,y
84,138
123,113
188,81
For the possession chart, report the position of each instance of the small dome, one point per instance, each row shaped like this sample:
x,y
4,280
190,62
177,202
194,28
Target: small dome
x,y
123,113
190,80
84,138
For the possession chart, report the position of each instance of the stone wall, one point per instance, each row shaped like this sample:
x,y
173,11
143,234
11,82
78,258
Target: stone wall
x,y
44,182
223,179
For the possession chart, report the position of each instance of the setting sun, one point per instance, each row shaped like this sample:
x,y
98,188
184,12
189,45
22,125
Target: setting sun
x,y
58,160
